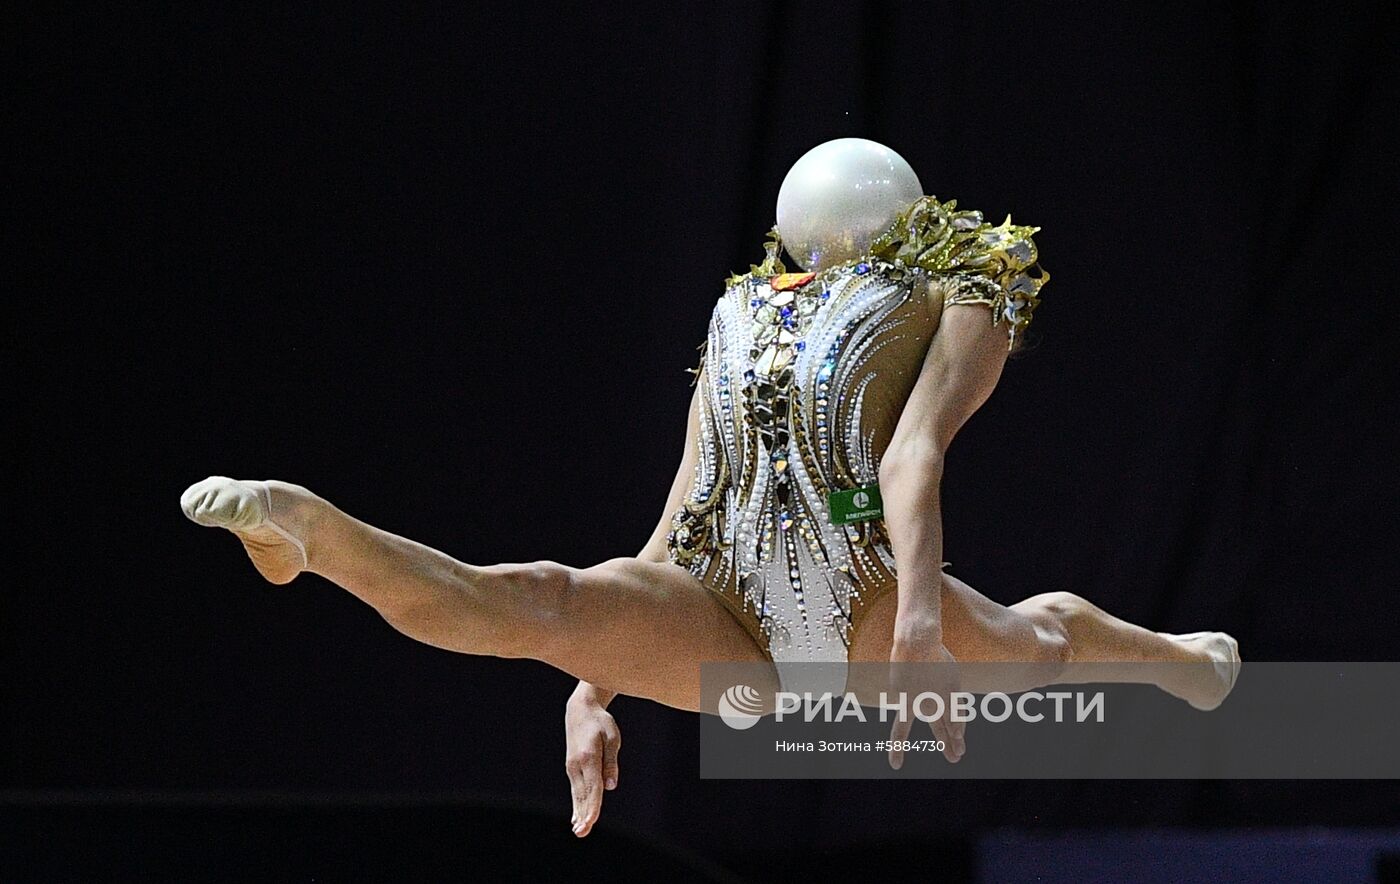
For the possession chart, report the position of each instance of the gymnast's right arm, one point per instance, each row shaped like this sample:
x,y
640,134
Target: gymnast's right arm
x,y
590,732
655,549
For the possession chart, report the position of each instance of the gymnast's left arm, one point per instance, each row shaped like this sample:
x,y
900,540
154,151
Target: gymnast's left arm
x,y
959,372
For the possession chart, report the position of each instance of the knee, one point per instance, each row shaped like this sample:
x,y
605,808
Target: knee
x,y
1055,615
1055,645
1065,608
543,595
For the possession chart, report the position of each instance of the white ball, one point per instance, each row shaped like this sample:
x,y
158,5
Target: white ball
x,y
838,197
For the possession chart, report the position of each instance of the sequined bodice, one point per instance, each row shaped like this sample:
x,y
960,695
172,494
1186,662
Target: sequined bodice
x,y
801,386
804,380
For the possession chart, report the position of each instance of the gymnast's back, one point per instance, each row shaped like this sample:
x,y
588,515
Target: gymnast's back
x,y
802,381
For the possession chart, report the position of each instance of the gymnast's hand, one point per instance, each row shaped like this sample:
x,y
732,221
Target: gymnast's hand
x,y
924,645
592,739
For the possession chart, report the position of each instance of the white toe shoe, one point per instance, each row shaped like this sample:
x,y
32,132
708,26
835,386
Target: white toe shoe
x,y
221,502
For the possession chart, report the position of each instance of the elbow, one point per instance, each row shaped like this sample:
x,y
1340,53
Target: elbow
x,y
909,464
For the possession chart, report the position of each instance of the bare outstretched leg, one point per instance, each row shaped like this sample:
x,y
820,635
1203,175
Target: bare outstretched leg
x,y
1063,639
602,624
1098,637
1055,633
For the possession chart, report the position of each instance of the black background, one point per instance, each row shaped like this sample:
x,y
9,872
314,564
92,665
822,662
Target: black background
x,y
446,266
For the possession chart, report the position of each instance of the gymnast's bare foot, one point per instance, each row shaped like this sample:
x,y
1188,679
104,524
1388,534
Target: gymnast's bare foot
x,y
278,548
1207,687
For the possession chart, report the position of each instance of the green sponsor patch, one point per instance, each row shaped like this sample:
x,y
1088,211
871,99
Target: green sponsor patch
x,y
856,505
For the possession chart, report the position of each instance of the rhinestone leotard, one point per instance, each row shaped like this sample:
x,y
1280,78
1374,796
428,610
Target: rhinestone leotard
x,y
802,380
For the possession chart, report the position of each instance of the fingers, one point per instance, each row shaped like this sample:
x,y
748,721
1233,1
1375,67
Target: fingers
x,y
589,799
612,742
950,734
899,732
957,738
578,792
585,768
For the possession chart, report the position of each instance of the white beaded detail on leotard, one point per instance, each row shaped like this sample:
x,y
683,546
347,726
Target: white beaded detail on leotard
x,y
802,381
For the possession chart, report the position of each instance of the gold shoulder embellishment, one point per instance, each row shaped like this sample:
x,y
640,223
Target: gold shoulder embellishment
x,y
704,349
986,263
772,264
